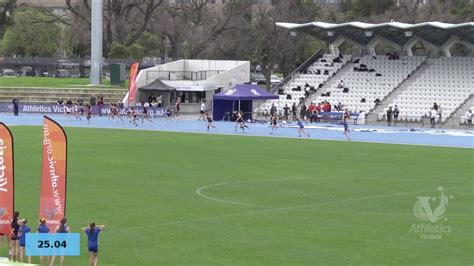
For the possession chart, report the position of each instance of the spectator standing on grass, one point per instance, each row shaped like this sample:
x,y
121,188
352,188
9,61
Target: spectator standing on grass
x,y
22,231
42,229
14,248
293,111
62,228
396,112
15,106
389,116
433,115
92,233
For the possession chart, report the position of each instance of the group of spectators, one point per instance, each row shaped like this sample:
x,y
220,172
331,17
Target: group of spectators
x,y
392,114
310,112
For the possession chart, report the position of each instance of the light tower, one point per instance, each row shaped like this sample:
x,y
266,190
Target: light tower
x,y
96,43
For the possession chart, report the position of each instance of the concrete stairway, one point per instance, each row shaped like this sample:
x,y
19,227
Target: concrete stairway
x,y
47,95
454,119
332,82
373,115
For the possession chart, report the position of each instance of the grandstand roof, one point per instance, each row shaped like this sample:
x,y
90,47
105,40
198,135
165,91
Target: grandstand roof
x,y
435,32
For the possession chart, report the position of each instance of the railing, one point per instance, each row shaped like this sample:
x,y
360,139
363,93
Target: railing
x,y
454,122
152,75
303,66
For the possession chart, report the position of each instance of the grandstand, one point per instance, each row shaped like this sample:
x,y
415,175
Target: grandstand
x,y
446,81
309,80
364,87
372,83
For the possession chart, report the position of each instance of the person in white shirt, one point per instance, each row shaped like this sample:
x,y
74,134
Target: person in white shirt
x,y
468,116
433,115
203,108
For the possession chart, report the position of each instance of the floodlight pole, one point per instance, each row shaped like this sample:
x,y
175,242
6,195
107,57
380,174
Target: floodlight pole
x,y
96,43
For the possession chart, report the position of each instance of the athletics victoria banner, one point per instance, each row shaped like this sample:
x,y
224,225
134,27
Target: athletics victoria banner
x,y
7,197
53,174
59,109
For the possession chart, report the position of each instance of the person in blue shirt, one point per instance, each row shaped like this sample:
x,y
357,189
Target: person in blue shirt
x,y
24,229
42,229
63,228
92,233
301,128
345,118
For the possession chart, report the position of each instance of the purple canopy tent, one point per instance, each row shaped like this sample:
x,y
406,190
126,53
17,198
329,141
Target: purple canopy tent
x,y
240,96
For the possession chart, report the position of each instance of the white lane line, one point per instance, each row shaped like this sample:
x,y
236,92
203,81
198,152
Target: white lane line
x,y
210,218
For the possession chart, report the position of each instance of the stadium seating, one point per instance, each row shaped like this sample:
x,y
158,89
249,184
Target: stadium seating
x,y
447,81
295,88
380,77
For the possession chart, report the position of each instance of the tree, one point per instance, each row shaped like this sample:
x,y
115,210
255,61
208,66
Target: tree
x,y
125,21
274,45
6,9
463,10
31,34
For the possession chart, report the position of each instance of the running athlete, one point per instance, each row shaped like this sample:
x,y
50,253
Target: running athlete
x,y
62,229
345,118
66,110
209,122
133,116
88,113
301,128
240,122
76,111
92,233
24,229
145,115
42,229
274,122
168,114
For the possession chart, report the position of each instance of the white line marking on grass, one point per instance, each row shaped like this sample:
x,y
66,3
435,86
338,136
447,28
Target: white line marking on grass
x,y
199,191
210,218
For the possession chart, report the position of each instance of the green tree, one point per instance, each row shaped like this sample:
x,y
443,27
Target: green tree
x,y
463,10
6,8
33,34
366,8
118,50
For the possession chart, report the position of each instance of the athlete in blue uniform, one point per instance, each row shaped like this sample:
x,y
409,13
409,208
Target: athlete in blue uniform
x,y
92,233
42,229
24,229
345,118
301,128
62,229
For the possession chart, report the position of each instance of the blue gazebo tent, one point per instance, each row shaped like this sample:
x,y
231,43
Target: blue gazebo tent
x,y
239,98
